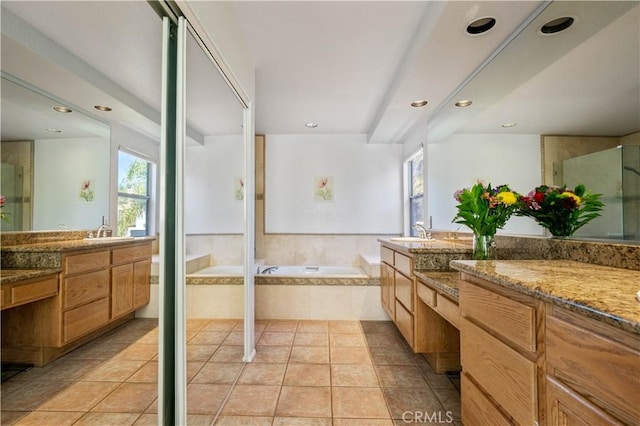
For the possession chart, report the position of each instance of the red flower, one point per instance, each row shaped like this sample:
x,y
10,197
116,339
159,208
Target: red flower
x,y
538,197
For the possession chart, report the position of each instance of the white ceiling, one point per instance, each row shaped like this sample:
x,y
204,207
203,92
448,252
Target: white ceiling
x,y
352,67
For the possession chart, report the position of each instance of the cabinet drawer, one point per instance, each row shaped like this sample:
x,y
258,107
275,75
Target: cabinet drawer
x,y
477,409
35,290
128,254
86,262
449,310
404,291
404,322
404,264
85,288
604,369
505,375
426,294
386,255
84,319
511,319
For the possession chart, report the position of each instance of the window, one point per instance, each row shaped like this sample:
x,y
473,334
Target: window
x,y
416,191
134,184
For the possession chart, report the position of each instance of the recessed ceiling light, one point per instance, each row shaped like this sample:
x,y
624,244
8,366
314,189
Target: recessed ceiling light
x,y
481,25
62,109
311,125
556,25
464,103
54,130
509,124
418,104
102,108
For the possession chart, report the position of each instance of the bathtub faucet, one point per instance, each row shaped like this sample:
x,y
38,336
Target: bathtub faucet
x,y
267,270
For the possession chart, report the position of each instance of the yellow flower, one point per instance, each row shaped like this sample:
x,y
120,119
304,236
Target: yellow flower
x,y
507,198
567,194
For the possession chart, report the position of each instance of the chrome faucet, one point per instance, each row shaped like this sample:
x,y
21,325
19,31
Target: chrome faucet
x,y
102,230
422,231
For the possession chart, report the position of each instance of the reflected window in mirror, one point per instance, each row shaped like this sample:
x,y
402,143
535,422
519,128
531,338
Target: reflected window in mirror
x,y
416,190
135,177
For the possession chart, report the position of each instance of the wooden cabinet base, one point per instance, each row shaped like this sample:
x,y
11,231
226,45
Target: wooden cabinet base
x,y
39,355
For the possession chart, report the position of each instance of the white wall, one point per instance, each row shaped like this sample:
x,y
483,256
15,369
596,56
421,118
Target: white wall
x,y
367,181
60,166
460,160
210,174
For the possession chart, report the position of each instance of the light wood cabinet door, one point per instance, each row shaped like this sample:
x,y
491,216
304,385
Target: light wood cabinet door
x,y
568,408
141,287
121,290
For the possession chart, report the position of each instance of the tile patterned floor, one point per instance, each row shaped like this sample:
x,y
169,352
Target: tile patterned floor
x,y
305,373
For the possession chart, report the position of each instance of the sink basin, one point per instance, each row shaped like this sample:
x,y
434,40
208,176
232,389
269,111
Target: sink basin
x,y
412,240
107,239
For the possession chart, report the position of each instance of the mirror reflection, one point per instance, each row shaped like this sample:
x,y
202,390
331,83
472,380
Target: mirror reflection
x,y
38,144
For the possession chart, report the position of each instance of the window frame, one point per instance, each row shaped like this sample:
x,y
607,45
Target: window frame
x,y
412,198
147,198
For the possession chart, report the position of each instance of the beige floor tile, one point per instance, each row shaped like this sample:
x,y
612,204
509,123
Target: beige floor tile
x,y
301,421
242,421
151,337
114,370
347,340
200,352
196,324
350,356
309,355
32,395
252,400
193,368
147,420
313,326
192,420
278,354
258,326
138,352
406,376
61,370
282,325
299,401
220,325
218,372
353,375
203,398
311,339
382,355
262,374
209,338
388,341
148,373
108,419
10,417
419,401
100,349
80,396
275,338
359,403
42,418
386,327
344,327
128,398
11,385
362,422
308,375
228,354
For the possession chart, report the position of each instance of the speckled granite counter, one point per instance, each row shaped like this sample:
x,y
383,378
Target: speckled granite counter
x,y
14,275
445,282
604,293
432,255
48,254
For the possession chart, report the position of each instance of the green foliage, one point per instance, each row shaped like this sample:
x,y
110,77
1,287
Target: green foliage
x,y
134,182
484,210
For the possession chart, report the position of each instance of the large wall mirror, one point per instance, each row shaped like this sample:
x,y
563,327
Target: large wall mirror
x,y
41,138
579,89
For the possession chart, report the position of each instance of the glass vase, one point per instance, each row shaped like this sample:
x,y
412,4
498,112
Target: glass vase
x,y
483,247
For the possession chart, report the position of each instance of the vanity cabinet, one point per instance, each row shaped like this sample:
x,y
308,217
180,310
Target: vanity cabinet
x,y
100,288
583,388
501,341
28,291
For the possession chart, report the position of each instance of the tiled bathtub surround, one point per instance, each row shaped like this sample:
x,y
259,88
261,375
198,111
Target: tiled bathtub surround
x,y
305,372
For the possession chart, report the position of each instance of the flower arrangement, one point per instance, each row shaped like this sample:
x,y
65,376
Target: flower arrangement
x,y
559,209
485,209
3,215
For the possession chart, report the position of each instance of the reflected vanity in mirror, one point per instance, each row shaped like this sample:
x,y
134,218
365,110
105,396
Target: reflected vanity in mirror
x,y
41,137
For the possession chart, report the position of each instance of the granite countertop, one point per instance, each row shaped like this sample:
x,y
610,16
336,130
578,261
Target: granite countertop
x,y
71,245
444,282
604,293
434,246
8,276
